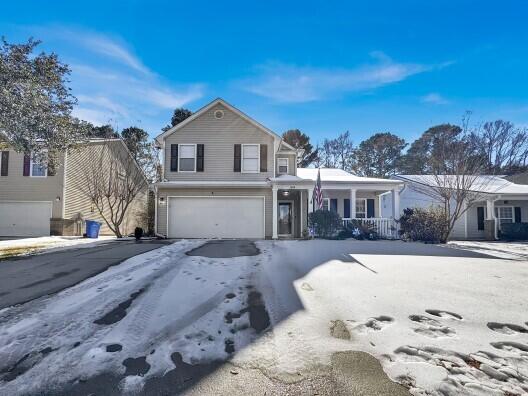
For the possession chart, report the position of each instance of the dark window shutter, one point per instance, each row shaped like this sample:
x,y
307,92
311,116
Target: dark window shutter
x,y
333,205
346,211
517,214
27,164
238,158
4,165
199,158
370,208
174,158
480,218
263,157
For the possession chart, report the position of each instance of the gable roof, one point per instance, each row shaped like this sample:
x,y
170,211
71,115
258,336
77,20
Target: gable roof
x,y
232,108
488,184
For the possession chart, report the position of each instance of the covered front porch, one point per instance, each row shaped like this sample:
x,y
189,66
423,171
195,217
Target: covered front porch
x,y
356,199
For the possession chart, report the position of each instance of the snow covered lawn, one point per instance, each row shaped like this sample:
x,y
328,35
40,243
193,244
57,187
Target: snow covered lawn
x,y
18,247
441,321
508,250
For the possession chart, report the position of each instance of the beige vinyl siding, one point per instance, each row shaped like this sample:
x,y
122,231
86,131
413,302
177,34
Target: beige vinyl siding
x,y
76,200
219,137
17,187
164,193
292,165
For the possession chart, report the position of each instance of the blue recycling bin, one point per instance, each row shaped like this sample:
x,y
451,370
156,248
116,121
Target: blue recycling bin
x,y
92,228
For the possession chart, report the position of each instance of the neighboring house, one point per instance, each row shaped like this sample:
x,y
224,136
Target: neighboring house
x,y
519,178
499,200
37,201
227,176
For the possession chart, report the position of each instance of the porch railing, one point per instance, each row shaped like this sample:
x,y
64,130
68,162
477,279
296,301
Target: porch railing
x,y
385,227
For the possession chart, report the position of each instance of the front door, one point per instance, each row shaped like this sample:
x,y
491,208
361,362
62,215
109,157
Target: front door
x,y
285,218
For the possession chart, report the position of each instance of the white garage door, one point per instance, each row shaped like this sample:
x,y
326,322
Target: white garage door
x,y
216,217
25,218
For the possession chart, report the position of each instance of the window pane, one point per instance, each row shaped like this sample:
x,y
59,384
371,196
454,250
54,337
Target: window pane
x,y
250,151
326,204
250,165
38,170
360,205
186,151
506,212
186,164
283,169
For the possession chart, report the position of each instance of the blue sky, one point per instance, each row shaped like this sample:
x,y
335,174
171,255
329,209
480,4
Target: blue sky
x,y
322,67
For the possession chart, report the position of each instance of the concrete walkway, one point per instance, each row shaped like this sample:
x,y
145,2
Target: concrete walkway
x,y
25,278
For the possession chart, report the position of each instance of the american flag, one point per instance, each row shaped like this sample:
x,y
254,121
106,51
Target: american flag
x,y
318,192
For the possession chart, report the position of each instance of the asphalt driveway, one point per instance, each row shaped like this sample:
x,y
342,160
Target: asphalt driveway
x,y
25,278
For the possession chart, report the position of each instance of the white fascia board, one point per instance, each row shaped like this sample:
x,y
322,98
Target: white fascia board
x,y
205,184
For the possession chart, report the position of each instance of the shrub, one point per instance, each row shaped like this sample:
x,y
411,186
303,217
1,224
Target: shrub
x,y
362,229
427,225
514,231
325,223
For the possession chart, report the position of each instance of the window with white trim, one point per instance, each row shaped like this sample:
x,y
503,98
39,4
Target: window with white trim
x,y
37,168
250,158
504,214
187,157
326,203
282,165
361,208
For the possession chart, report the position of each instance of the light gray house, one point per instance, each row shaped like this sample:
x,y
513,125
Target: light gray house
x,y
37,201
499,200
227,176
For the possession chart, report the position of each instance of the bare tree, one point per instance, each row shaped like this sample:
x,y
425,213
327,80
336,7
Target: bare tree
x,y
336,153
112,181
457,179
504,145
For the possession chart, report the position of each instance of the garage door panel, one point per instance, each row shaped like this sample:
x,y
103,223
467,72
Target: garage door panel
x,y
216,217
25,218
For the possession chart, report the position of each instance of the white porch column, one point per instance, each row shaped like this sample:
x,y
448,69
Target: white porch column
x,y
274,192
310,200
396,204
353,203
490,215
301,211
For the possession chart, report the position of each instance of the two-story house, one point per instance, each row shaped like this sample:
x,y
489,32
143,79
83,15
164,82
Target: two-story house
x,y
37,201
227,176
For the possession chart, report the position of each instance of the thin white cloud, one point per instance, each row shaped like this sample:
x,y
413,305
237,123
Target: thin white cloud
x,y
434,98
112,49
106,94
292,83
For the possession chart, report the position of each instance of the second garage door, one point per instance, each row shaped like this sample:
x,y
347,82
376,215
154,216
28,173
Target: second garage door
x,y
215,217
25,218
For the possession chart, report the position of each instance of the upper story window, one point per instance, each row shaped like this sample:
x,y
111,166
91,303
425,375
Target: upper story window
x,y
282,164
250,158
187,158
37,169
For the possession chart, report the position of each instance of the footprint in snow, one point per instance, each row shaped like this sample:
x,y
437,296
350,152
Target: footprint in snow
x,y
431,327
515,347
507,328
306,286
376,324
443,314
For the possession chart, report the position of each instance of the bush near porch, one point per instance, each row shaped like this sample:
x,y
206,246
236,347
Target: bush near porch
x,y
426,225
514,231
325,223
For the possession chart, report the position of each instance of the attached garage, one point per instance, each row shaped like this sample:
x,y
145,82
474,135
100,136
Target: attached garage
x,y
25,218
216,217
